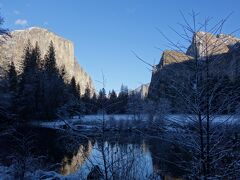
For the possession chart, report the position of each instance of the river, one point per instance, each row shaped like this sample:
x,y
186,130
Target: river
x,y
119,155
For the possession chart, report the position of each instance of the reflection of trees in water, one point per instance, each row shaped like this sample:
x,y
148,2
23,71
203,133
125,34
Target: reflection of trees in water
x,y
72,164
127,154
122,160
164,157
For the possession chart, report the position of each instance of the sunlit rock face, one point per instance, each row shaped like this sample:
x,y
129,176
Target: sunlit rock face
x,y
169,68
178,66
72,164
206,44
12,50
170,56
142,90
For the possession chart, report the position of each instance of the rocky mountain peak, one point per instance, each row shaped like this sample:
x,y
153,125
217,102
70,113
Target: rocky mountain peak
x,y
13,48
205,44
224,47
170,56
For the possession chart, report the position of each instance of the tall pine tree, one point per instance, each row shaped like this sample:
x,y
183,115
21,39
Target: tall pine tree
x,y
28,84
53,84
12,78
123,100
13,87
50,61
112,103
73,86
87,101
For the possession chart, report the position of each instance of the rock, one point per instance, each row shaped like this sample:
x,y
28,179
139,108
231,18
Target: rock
x,y
178,67
142,90
229,40
169,57
167,67
206,44
12,50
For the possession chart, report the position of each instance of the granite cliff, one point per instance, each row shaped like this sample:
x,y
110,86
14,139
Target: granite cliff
x,y
142,90
175,66
12,50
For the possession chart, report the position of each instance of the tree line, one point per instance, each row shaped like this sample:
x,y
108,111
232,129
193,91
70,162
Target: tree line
x,y
125,102
42,91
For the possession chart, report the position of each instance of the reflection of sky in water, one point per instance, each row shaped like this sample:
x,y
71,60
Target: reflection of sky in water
x,y
132,159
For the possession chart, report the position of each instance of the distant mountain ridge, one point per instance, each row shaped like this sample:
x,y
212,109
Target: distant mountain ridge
x,y
12,50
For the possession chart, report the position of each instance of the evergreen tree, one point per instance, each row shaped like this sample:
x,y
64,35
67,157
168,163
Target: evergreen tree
x,y
87,94
36,53
94,104
89,106
79,90
73,103
113,96
12,78
53,85
28,84
50,60
135,104
112,103
122,100
74,89
39,93
63,74
13,87
102,100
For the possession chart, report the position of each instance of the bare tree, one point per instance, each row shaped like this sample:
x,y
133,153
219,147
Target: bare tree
x,y
199,83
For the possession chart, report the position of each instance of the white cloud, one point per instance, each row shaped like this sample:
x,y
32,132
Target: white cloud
x,y
21,22
16,12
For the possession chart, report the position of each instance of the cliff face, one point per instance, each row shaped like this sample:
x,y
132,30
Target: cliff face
x,y
206,44
176,66
142,90
169,57
12,50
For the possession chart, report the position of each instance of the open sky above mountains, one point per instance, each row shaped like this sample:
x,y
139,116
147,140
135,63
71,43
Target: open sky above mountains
x,y
104,32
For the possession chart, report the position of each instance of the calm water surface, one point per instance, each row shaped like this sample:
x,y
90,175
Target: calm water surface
x,y
122,154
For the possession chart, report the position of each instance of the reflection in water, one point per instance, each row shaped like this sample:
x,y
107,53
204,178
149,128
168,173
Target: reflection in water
x,y
134,158
121,161
71,165
123,155
124,158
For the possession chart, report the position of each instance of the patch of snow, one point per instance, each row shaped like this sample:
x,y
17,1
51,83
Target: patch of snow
x,y
177,118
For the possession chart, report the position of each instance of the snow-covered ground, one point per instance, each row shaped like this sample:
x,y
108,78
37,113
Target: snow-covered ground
x,y
8,173
89,120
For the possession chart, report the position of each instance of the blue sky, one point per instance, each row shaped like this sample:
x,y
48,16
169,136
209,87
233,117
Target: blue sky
x,y
105,31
